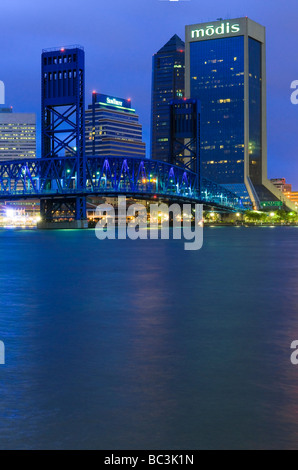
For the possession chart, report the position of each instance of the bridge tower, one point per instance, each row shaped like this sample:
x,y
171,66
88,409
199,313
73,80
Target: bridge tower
x,y
185,135
63,130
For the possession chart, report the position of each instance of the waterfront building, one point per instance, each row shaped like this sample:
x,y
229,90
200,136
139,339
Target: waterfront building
x,y
167,84
25,213
293,196
112,128
17,135
282,185
225,68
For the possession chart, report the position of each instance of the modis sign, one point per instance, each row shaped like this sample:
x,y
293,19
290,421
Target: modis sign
x,y
211,30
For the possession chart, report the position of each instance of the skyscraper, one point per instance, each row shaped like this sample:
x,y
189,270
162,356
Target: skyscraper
x,y
113,128
17,135
167,85
226,70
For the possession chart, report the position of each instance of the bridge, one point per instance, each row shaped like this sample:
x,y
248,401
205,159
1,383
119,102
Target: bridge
x,y
56,178
65,176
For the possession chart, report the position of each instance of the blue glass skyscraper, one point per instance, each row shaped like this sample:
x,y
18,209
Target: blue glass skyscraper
x,y
167,84
226,71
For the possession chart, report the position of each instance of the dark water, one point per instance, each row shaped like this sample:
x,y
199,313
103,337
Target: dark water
x,y
142,345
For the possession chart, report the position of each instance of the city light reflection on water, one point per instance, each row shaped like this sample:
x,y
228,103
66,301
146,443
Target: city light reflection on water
x,y
139,344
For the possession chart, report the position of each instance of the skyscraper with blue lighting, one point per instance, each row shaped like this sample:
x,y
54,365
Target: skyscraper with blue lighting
x,y
226,71
167,85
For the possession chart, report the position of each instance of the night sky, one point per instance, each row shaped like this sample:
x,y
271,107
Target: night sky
x,y
120,37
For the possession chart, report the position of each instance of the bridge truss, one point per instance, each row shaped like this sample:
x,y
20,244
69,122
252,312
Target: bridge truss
x,y
55,181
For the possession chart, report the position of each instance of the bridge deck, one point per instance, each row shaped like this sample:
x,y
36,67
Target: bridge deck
x,y
147,179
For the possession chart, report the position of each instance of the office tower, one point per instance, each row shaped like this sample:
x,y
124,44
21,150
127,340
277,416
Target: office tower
x,y
113,128
167,85
17,135
226,71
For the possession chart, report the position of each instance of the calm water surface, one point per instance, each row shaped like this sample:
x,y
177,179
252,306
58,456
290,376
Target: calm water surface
x,y
142,345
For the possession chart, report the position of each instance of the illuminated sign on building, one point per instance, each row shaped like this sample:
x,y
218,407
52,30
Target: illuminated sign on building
x,y
114,102
108,100
211,30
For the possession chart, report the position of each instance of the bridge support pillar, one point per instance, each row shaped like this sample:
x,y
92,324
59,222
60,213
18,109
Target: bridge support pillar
x,y
63,213
81,211
63,136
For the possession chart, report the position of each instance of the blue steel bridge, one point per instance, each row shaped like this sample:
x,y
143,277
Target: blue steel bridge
x,y
63,183
56,178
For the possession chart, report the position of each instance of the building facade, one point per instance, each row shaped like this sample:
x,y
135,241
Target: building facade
x,y
17,135
286,188
293,196
282,185
226,71
167,84
112,128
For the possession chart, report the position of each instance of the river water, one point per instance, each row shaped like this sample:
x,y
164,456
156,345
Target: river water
x,y
142,345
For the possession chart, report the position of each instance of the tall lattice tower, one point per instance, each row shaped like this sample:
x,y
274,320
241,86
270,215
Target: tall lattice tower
x,y
185,138
63,115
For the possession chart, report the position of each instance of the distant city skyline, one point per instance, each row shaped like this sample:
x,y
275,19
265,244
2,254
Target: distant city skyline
x,y
119,58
